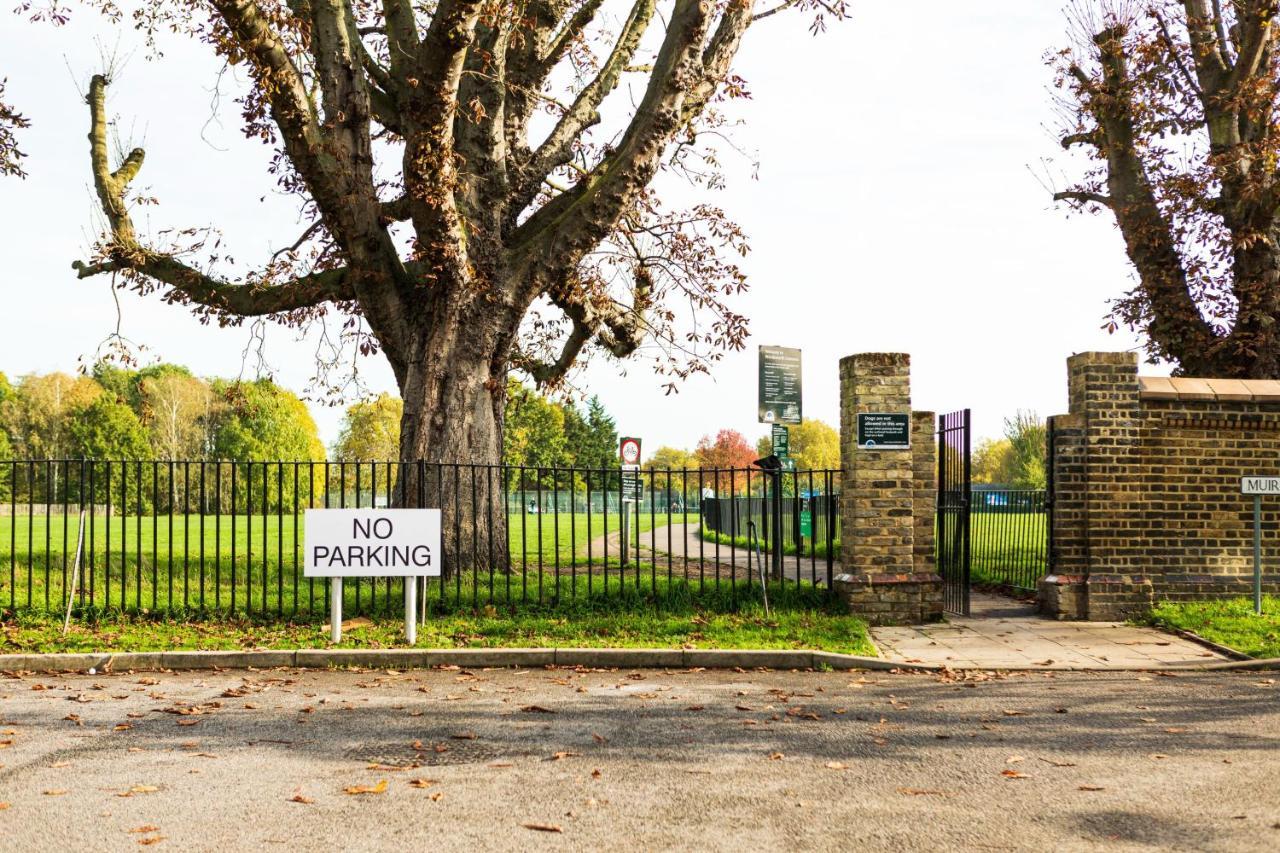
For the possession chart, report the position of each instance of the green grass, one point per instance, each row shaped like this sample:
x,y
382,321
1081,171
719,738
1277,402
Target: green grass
x,y
662,615
147,564
1006,548
1231,623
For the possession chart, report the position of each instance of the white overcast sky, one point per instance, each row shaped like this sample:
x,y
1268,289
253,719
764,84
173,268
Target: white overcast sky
x,y
895,209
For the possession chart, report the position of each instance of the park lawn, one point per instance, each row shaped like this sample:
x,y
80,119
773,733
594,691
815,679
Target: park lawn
x,y
245,562
678,615
1230,623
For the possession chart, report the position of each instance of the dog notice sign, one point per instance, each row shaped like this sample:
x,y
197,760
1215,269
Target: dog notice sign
x,y
342,543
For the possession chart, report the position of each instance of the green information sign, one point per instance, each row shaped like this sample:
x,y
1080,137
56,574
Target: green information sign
x,y
779,385
806,523
884,431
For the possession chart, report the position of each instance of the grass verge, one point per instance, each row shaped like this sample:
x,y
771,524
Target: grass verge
x,y
678,616
1231,623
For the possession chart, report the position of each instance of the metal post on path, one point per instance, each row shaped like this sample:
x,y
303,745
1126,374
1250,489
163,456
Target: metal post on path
x,y
1257,487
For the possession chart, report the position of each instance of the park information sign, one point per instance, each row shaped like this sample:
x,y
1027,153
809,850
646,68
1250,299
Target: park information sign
x,y
629,458
348,543
779,385
884,431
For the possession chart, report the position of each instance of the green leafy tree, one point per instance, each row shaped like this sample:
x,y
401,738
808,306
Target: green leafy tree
x,y
1027,438
534,436
993,462
371,430
107,429
263,422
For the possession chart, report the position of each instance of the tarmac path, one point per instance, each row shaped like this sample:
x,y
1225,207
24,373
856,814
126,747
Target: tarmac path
x,y
654,760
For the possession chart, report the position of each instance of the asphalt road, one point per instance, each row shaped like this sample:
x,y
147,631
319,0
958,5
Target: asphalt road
x,y
639,760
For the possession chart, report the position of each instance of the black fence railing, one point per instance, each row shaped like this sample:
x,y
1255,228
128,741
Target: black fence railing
x,y
1009,537
226,537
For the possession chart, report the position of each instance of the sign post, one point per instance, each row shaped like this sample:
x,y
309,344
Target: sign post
x,y
1258,486
629,459
342,543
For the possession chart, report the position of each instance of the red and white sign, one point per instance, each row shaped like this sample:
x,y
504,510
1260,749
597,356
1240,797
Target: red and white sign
x,y
629,450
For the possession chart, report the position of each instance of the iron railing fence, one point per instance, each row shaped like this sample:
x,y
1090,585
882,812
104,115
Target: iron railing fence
x,y
1009,537
226,537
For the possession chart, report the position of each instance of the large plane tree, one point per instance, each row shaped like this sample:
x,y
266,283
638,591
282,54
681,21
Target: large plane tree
x,y
1174,102
478,202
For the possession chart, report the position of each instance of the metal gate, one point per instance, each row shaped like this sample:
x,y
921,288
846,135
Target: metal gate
x,y
953,510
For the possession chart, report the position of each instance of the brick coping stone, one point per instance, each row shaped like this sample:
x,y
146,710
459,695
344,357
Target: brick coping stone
x,y
106,662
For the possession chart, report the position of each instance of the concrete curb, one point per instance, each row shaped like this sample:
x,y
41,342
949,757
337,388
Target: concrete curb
x,y
1225,651
745,659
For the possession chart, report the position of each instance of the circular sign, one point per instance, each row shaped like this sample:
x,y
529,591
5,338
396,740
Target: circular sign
x,y
630,451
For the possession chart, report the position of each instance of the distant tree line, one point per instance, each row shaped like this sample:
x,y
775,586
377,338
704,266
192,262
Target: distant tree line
x,y
1016,461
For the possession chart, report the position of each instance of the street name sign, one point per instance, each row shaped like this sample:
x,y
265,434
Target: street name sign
x,y
884,431
779,385
1260,485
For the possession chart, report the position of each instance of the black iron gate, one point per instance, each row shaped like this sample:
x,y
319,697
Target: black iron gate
x,y
953,510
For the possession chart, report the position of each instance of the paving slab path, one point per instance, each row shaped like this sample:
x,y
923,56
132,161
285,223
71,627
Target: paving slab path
x,y
563,759
1003,632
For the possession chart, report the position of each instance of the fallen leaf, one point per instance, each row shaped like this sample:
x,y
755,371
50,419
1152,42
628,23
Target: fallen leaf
x,y
919,792
543,827
186,721
423,783
1091,788
561,755
1014,713
121,727
55,792
1175,730
299,798
599,738
1013,774
836,765
146,827
537,709
138,789
464,736
776,756
437,796
3,806
596,774
151,839
379,788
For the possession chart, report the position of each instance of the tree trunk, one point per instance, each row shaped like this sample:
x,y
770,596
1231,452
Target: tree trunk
x,y
454,391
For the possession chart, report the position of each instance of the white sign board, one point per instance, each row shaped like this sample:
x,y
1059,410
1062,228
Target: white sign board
x,y
371,543
1260,485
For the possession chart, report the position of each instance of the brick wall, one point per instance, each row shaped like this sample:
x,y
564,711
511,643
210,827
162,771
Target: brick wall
x,y
1146,480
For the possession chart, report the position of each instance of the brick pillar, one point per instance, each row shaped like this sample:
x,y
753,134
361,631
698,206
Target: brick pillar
x,y
1095,513
886,501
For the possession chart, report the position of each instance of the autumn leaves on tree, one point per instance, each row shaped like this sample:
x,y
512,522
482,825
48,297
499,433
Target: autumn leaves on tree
x,y
460,235
1174,102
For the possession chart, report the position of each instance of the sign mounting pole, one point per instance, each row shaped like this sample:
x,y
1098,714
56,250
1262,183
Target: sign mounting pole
x,y
1258,486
